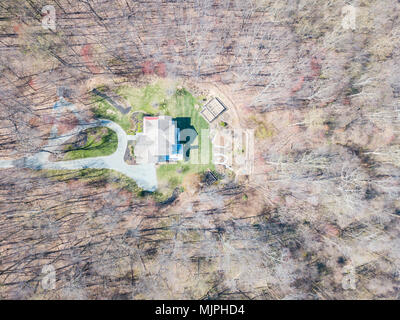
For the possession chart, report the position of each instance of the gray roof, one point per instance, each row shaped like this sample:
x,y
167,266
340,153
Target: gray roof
x,y
156,140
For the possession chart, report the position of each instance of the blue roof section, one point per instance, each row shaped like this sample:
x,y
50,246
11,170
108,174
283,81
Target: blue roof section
x,y
177,132
177,149
163,158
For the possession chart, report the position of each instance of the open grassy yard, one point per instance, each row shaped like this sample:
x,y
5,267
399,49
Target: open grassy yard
x,y
182,104
146,99
162,98
159,98
103,110
173,174
100,141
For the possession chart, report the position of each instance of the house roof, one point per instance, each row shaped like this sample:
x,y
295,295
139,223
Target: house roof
x,y
157,139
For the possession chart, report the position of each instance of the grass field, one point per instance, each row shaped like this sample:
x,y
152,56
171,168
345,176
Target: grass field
x,y
103,110
174,173
182,104
170,176
101,141
158,98
143,99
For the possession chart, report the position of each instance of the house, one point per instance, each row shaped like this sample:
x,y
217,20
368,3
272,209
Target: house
x,y
159,141
212,109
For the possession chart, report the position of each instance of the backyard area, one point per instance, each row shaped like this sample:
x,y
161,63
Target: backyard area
x,y
170,176
159,98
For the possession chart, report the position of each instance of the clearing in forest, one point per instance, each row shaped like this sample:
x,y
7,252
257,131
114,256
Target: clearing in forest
x,y
162,98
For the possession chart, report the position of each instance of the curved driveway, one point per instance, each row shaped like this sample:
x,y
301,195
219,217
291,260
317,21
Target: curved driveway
x,y
144,174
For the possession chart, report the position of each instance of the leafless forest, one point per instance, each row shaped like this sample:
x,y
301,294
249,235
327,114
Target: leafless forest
x,y
319,217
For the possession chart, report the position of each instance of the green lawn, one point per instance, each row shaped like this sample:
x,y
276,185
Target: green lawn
x,y
152,99
101,141
170,176
176,172
140,99
182,104
103,110
143,99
